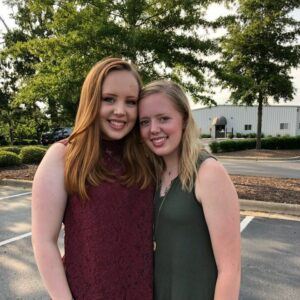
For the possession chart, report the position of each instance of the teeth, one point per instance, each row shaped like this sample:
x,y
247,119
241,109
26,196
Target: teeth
x,y
117,122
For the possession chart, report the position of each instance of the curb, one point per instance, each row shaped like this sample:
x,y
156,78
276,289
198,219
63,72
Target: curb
x,y
245,205
16,182
270,207
295,158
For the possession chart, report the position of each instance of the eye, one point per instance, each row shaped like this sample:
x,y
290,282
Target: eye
x,y
131,102
144,123
164,119
108,99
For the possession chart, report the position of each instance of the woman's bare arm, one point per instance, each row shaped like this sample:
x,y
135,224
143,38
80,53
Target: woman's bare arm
x,y
219,199
48,205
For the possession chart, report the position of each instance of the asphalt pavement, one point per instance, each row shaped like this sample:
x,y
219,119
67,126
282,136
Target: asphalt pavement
x,y
270,252
270,243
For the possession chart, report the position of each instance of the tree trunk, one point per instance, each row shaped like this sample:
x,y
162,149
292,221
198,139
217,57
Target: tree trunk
x,y
259,122
11,131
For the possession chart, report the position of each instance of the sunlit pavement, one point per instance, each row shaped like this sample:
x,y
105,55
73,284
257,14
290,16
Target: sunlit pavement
x,y
270,253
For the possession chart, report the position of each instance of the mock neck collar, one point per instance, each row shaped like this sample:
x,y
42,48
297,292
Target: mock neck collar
x,y
113,147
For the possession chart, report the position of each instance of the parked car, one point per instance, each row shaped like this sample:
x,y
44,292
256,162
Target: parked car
x,y
47,138
55,135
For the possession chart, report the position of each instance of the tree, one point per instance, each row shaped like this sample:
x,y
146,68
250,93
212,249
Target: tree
x,y
13,70
22,118
259,52
161,37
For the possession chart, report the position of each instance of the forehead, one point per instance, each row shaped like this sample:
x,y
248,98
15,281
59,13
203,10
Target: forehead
x,y
156,104
120,81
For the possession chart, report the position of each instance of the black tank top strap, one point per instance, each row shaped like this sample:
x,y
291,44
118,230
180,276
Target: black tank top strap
x,y
203,155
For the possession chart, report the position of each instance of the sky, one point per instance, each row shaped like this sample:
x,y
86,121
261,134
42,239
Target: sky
x,y
216,10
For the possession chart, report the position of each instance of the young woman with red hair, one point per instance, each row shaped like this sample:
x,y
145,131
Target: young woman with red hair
x,y
99,185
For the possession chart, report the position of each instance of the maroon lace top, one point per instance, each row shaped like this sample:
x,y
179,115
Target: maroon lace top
x,y
108,241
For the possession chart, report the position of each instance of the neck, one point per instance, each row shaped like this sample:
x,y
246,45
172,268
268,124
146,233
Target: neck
x,y
171,163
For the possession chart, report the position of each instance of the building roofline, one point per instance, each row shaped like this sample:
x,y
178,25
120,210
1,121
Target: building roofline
x,y
232,105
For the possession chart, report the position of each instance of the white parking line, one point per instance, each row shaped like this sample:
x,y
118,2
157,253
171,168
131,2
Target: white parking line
x,y
19,237
245,222
243,225
17,195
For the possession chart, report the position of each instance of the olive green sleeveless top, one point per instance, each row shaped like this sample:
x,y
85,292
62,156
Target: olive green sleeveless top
x,y
185,267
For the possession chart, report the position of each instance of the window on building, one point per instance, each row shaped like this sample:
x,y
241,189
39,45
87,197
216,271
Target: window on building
x,y
299,126
284,125
248,126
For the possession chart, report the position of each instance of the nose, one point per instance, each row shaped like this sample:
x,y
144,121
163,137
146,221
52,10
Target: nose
x,y
119,109
154,127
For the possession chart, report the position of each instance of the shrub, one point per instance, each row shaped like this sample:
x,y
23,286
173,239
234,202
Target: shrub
x,y
25,142
205,136
273,143
281,143
32,154
11,149
214,147
238,135
3,141
9,159
232,145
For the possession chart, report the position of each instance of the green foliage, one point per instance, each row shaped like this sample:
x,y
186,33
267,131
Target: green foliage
x,y
9,159
281,143
18,119
273,143
258,53
214,147
251,135
11,149
3,141
32,154
205,136
63,39
229,146
25,142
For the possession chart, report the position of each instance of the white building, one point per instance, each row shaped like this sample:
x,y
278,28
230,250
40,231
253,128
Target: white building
x,y
222,119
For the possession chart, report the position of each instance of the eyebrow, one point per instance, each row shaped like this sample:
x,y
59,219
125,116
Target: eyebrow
x,y
158,115
114,95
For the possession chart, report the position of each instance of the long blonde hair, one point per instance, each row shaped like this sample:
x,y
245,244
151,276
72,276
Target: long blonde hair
x,y
190,146
83,160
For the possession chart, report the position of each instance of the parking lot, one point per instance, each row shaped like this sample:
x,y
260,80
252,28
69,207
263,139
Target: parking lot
x,y
270,253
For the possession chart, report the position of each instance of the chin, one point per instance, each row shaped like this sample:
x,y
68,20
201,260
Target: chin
x,y
114,136
159,152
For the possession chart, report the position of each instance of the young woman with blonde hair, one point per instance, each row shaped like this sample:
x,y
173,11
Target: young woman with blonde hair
x,y
98,184
196,222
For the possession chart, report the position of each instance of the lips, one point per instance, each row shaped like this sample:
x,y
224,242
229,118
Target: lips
x,y
159,141
117,124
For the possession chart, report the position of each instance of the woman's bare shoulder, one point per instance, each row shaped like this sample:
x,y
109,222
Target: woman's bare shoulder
x,y
56,152
211,167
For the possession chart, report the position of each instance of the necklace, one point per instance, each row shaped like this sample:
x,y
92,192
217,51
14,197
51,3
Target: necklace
x,y
167,187
167,190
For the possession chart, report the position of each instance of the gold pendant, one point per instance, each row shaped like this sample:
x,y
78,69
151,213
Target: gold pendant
x,y
154,246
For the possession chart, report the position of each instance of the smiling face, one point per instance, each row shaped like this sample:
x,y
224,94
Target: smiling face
x,y
118,109
161,125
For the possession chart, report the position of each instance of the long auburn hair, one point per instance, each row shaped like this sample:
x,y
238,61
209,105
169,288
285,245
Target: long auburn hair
x,y
83,159
190,146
